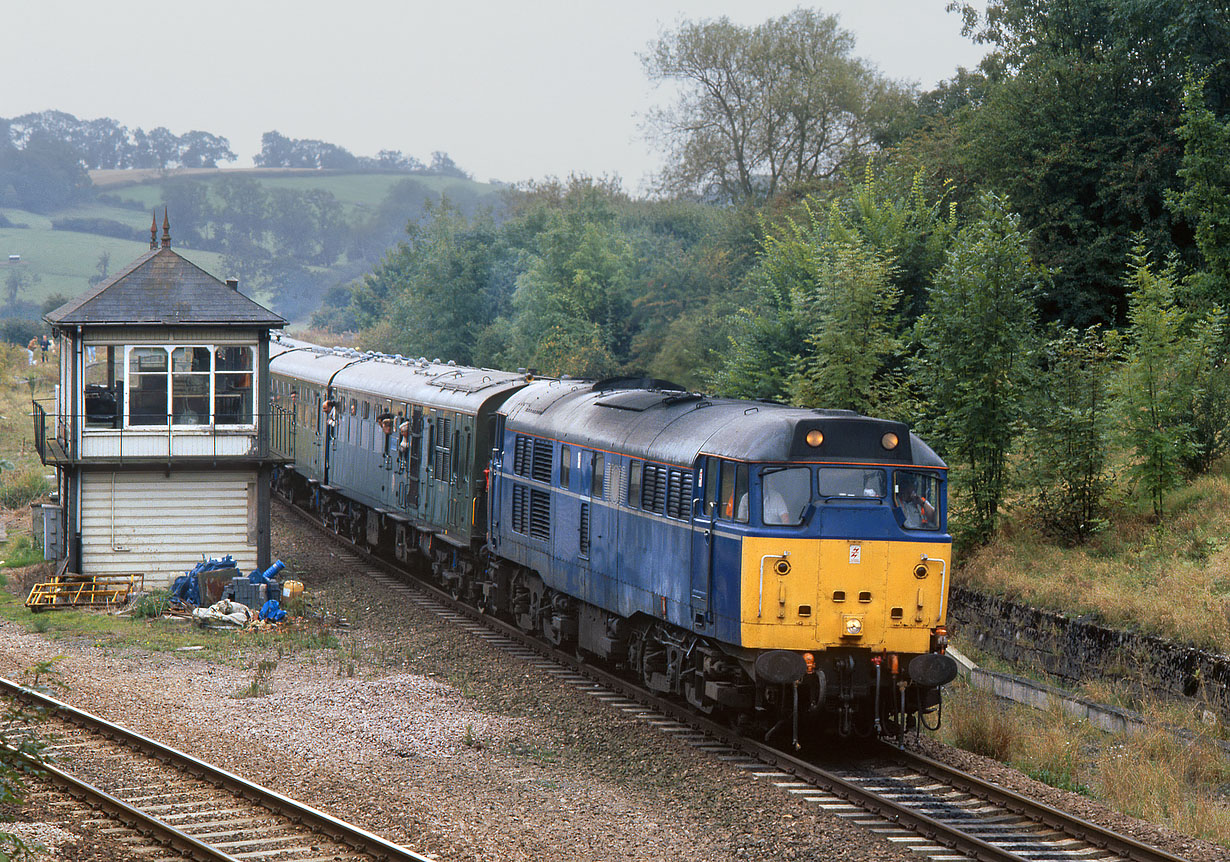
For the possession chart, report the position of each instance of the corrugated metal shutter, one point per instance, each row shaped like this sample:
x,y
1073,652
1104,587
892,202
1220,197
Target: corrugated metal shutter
x,y
160,525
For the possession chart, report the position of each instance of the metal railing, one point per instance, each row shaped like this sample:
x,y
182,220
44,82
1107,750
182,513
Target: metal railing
x,y
107,439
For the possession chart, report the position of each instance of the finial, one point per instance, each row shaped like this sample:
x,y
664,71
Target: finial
x,y
153,229
166,229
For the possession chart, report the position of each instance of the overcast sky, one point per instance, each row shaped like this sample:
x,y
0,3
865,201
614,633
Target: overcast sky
x,y
511,90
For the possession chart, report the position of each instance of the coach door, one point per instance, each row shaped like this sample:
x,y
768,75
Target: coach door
x,y
440,467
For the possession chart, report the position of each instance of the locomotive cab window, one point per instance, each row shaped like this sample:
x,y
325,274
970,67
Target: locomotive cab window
x,y
733,492
565,465
916,496
851,482
785,494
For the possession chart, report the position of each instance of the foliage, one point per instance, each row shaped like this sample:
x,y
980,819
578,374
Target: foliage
x,y
765,107
101,226
1067,435
1205,198
1076,123
19,330
1166,353
894,233
44,175
437,290
973,365
20,552
20,488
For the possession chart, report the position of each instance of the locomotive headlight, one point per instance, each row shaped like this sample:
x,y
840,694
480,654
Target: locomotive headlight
x,y
852,627
889,440
815,437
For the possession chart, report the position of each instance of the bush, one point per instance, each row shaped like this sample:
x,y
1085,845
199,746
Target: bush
x,y
100,226
19,331
20,489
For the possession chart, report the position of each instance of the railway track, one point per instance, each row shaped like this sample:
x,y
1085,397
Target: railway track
x,y
935,810
163,803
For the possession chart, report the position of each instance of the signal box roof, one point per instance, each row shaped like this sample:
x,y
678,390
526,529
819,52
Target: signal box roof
x,y
161,288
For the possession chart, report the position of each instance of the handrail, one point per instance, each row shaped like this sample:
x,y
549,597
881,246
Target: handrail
x,y
56,448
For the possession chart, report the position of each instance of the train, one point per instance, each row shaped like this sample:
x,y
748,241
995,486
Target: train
x,y
776,566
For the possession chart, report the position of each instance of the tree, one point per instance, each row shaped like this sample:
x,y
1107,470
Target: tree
x,y
848,317
1165,352
275,151
444,166
1067,436
1077,126
974,357
763,107
18,280
202,150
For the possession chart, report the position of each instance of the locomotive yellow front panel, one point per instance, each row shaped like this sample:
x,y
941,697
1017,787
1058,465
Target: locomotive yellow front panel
x,y
815,593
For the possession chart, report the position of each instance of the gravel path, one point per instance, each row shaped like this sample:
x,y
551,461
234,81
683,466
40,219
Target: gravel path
x,y
435,740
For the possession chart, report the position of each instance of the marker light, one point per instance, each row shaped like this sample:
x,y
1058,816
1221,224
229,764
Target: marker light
x,y
889,440
815,437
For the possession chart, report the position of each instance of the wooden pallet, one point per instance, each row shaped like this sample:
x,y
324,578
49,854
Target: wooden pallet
x,y
66,591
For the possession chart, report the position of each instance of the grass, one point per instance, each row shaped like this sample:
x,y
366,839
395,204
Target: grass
x,y
1160,776
1171,578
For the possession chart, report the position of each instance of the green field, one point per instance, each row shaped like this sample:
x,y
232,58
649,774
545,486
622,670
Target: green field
x,y
63,261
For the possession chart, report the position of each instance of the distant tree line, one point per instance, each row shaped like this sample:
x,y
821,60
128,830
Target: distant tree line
x,y
105,143
279,151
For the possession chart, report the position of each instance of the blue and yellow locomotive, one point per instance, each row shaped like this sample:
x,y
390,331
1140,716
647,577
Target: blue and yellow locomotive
x,y
772,562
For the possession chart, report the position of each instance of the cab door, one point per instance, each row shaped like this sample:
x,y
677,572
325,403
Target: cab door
x,y
704,520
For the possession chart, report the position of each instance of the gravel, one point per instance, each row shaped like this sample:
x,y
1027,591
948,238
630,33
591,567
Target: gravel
x,y
435,740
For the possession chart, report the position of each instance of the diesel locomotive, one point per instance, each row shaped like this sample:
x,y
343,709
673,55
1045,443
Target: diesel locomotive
x,y
781,565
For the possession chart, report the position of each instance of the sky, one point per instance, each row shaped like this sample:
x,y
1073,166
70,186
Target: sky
x,y
511,90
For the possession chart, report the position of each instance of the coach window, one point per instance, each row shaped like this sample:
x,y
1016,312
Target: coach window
x,y
565,465
598,480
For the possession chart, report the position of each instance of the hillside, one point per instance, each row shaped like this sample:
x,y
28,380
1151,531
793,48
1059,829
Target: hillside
x,y
366,212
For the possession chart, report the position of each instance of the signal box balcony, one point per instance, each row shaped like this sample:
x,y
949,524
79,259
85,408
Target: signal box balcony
x,y
105,440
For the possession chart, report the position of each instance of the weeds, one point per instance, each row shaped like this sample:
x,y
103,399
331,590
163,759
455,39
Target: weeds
x,y
20,488
151,605
1173,775
20,552
261,683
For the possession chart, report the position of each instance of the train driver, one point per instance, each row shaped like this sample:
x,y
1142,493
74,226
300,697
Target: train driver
x,y
918,512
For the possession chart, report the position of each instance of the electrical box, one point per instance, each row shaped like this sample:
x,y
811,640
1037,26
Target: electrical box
x,y
46,529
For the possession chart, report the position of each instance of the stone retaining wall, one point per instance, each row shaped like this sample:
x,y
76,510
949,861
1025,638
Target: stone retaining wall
x,y
1072,650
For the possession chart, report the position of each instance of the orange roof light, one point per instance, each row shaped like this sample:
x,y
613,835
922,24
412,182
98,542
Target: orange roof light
x,y
889,440
815,437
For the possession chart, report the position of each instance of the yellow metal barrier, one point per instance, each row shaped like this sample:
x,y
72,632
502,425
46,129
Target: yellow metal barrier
x,y
66,591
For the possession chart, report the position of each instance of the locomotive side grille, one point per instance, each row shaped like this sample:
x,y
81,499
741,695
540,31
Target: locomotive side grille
x,y
540,469
540,514
521,453
519,508
585,529
653,488
678,494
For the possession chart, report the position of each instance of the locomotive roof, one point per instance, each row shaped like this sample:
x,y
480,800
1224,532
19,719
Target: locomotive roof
x,y
675,426
417,381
